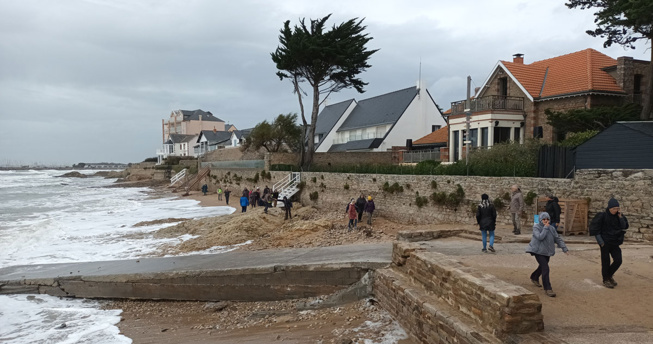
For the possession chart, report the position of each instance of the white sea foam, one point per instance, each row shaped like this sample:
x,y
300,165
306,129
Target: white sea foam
x,y
45,219
41,318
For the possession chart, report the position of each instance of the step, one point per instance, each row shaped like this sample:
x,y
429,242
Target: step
x,y
422,314
495,305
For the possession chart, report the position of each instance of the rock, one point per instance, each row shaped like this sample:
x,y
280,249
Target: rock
x,y
216,306
62,326
346,341
73,174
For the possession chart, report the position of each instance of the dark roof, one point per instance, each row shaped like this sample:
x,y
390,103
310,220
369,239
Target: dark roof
x,y
356,145
644,127
379,110
328,118
194,115
243,133
228,126
179,138
215,136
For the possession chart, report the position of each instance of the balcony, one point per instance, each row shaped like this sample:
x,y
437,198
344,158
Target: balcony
x,y
489,103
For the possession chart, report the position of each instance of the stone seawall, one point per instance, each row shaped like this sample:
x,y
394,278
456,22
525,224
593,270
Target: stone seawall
x,y
631,187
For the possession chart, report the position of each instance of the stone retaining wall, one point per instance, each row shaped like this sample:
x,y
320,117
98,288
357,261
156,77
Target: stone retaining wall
x,y
499,307
631,187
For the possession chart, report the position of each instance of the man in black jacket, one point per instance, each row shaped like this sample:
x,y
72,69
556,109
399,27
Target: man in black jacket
x,y
553,208
609,227
360,206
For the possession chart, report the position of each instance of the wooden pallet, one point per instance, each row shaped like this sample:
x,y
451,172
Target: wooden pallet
x,y
573,215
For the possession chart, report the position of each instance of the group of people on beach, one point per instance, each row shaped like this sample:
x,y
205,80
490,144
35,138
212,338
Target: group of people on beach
x,y
268,198
356,208
608,227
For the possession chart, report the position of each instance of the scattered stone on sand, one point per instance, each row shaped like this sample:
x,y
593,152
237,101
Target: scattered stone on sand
x,y
160,221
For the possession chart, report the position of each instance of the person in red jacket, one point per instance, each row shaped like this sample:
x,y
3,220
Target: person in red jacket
x,y
352,214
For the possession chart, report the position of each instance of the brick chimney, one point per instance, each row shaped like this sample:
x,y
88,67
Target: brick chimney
x,y
518,58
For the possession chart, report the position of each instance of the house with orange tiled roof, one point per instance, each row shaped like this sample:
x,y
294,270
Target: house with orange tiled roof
x,y
511,103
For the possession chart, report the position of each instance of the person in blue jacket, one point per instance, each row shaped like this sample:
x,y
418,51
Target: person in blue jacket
x,y
542,246
244,202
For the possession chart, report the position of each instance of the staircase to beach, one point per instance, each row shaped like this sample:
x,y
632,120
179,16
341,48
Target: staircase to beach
x,y
193,181
178,177
287,186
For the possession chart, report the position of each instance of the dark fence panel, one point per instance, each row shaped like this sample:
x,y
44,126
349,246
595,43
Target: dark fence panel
x,y
556,162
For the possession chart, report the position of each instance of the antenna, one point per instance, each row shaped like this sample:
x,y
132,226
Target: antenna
x,y
419,78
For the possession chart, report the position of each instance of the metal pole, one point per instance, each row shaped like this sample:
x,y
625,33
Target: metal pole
x,y
468,115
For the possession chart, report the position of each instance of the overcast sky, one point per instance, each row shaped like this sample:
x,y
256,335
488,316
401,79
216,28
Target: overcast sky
x,y
90,80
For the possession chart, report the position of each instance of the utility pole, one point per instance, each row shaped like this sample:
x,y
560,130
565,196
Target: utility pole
x,y
468,114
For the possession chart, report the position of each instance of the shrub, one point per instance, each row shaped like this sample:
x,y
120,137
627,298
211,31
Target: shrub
x,y
314,179
346,186
421,201
506,196
530,197
498,203
374,180
434,184
576,139
395,187
473,207
407,186
439,198
313,196
154,159
322,186
301,185
322,176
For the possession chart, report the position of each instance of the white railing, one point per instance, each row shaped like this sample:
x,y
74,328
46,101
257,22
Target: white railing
x,y
293,179
177,177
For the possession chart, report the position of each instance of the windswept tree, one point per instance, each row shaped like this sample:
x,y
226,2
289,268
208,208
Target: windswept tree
x,y
281,135
623,22
328,61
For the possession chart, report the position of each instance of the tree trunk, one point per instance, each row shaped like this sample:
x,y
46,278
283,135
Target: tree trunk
x,y
302,145
311,129
646,97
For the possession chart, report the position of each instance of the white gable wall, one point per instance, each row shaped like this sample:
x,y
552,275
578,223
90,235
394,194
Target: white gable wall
x,y
332,135
416,122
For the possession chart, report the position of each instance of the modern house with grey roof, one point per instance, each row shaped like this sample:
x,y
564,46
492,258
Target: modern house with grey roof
x,y
623,145
210,140
176,145
377,123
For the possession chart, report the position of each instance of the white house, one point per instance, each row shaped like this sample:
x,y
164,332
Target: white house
x,y
210,140
377,123
176,145
238,137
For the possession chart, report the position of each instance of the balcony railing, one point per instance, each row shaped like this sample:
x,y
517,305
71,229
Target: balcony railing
x,y
489,103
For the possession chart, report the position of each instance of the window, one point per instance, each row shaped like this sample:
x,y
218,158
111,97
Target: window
x,y
473,136
435,127
501,134
380,131
637,87
484,138
456,145
503,86
517,135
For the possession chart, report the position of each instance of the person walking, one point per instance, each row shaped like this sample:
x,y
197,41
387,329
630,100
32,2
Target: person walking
x,y
360,206
244,202
486,218
369,209
268,201
275,198
553,208
516,208
219,193
252,198
227,192
205,189
287,205
352,214
609,227
542,247
246,193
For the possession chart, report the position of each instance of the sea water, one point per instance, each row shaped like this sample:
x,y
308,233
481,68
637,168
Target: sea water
x,y
48,219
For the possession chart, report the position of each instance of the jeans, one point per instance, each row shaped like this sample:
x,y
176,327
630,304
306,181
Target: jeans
x,y
369,219
484,235
607,269
244,209
542,270
352,223
516,222
267,205
226,198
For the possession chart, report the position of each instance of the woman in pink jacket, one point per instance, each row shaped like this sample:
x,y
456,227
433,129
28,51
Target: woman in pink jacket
x,y
352,213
